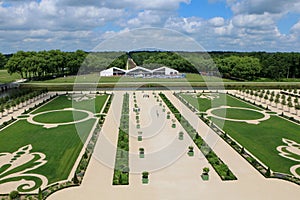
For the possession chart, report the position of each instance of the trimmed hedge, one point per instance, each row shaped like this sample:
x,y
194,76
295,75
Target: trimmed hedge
x,y
108,103
121,172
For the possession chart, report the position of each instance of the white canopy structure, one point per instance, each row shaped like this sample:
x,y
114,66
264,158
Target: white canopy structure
x,y
139,72
114,71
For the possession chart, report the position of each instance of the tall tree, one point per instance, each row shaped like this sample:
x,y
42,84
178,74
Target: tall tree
x,y
3,61
16,63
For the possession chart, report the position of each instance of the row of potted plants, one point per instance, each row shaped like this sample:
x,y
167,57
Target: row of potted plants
x,y
220,167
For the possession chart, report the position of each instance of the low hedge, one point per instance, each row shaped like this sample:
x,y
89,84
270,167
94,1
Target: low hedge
x,y
121,172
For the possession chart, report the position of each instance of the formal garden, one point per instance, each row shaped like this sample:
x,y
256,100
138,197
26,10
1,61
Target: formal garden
x,y
40,149
270,140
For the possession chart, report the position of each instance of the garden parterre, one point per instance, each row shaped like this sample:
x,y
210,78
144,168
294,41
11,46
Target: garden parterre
x,y
265,140
38,156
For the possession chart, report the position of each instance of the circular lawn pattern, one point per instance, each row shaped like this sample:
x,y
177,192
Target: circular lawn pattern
x,y
60,116
54,118
238,113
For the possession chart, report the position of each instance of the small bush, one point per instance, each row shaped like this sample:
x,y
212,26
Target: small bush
x,y
14,195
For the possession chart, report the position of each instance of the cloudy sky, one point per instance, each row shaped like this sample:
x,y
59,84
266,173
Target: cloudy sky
x,y
230,25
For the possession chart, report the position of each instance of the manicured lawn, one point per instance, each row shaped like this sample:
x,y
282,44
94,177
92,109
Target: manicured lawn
x,y
61,145
233,113
261,139
93,78
5,77
203,104
93,105
60,116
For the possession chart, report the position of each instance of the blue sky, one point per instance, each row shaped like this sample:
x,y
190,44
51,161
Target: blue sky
x,y
205,9
217,25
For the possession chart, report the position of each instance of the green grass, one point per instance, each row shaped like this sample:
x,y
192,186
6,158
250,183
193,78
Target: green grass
x,y
221,100
261,139
60,116
233,113
62,102
61,144
94,78
5,77
281,80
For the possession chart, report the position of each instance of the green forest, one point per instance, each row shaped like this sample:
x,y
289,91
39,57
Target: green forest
x,y
241,66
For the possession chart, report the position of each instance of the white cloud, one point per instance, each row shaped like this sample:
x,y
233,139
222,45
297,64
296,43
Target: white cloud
x,y
296,28
148,38
130,4
186,25
145,18
254,21
73,24
263,6
217,21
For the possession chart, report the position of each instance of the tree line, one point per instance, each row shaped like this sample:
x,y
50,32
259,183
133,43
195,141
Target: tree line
x,y
232,65
45,64
275,66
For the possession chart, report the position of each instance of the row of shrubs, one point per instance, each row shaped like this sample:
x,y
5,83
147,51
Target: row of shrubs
x,y
290,94
266,108
39,104
121,171
20,93
108,104
220,167
290,118
4,124
9,102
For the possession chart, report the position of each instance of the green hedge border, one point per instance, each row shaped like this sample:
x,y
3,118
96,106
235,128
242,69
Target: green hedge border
x,y
121,171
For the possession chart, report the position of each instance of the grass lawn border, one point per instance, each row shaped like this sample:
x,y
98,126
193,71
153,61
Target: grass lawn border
x,y
79,167
255,162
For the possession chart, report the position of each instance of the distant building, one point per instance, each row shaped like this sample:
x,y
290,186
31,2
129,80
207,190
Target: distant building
x,y
140,72
165,71
114,71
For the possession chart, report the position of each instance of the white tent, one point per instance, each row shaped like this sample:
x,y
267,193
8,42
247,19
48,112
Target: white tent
x,y
139,71
114,71
165,71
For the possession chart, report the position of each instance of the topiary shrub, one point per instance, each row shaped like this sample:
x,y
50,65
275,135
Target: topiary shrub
x,y
14,195
205,170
